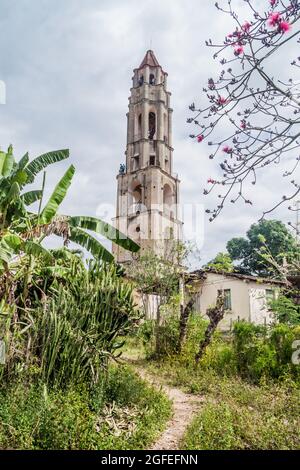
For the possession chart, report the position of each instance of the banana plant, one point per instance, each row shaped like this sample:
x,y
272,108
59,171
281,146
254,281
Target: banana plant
x,y
22,231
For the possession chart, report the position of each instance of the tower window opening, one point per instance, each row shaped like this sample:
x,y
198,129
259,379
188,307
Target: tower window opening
x,y
152,79
141,80
136,197
152,125
138,229
140,126
165,128
137,194
152,160
167,195
167,166
136,163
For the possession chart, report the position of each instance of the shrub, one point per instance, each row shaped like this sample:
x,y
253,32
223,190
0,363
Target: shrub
x,y
31,417
262,351
146,333
161,340
195,332
286,310
125,414
123,386
167,335
220,357
71,335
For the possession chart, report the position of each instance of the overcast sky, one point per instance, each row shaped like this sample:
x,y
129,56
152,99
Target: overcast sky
x,y
67,65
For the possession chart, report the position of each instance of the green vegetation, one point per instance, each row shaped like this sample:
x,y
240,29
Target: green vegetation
x,y
252,352
237,415
21,231
64,323
270,234
222,262
122,413
61,320
286,309
250,388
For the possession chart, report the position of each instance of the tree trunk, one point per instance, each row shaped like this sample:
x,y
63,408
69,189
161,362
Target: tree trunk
x,y
185,312
215,315
157,331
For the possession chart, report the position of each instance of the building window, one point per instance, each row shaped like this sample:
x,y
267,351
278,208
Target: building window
x,y
270,295
151,125
152,79
152,160
139,134
136,163
227,298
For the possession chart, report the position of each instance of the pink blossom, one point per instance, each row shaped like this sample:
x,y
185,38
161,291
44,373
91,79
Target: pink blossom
x,y
238,50
200,138
274,19
222,100
246,26
227,149
210,180
273,2
284,26
243,124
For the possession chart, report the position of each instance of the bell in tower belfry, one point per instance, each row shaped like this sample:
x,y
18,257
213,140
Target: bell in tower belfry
x,y
148,190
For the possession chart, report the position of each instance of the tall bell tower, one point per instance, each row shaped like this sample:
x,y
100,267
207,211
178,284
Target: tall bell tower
x,y
148,189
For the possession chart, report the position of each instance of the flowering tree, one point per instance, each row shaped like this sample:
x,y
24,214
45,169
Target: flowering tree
x,y
259,113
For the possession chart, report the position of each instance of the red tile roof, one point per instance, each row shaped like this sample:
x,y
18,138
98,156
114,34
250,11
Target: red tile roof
x,y
202,274
149,59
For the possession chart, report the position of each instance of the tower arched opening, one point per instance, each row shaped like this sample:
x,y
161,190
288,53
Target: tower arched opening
x,y
136,197
151,125
167,195
165,128
152,79
139,132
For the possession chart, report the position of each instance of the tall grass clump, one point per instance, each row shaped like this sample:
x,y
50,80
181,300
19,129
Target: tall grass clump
x,y
70,334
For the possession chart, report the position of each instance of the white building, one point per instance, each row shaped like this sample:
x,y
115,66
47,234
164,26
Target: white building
x,y
246,297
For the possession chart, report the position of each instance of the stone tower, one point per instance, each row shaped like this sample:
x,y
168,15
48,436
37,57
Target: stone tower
x,y
148,190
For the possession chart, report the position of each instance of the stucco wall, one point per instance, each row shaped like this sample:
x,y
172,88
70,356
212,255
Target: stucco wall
x,y
248,301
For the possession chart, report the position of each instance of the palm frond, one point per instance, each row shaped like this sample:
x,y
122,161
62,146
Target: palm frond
x,y
105,229
8,163
57,197
36,249
41,162
91,244
32,196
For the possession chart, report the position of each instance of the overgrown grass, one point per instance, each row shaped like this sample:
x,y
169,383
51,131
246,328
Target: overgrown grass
x,y
237,415
247,403
122,413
